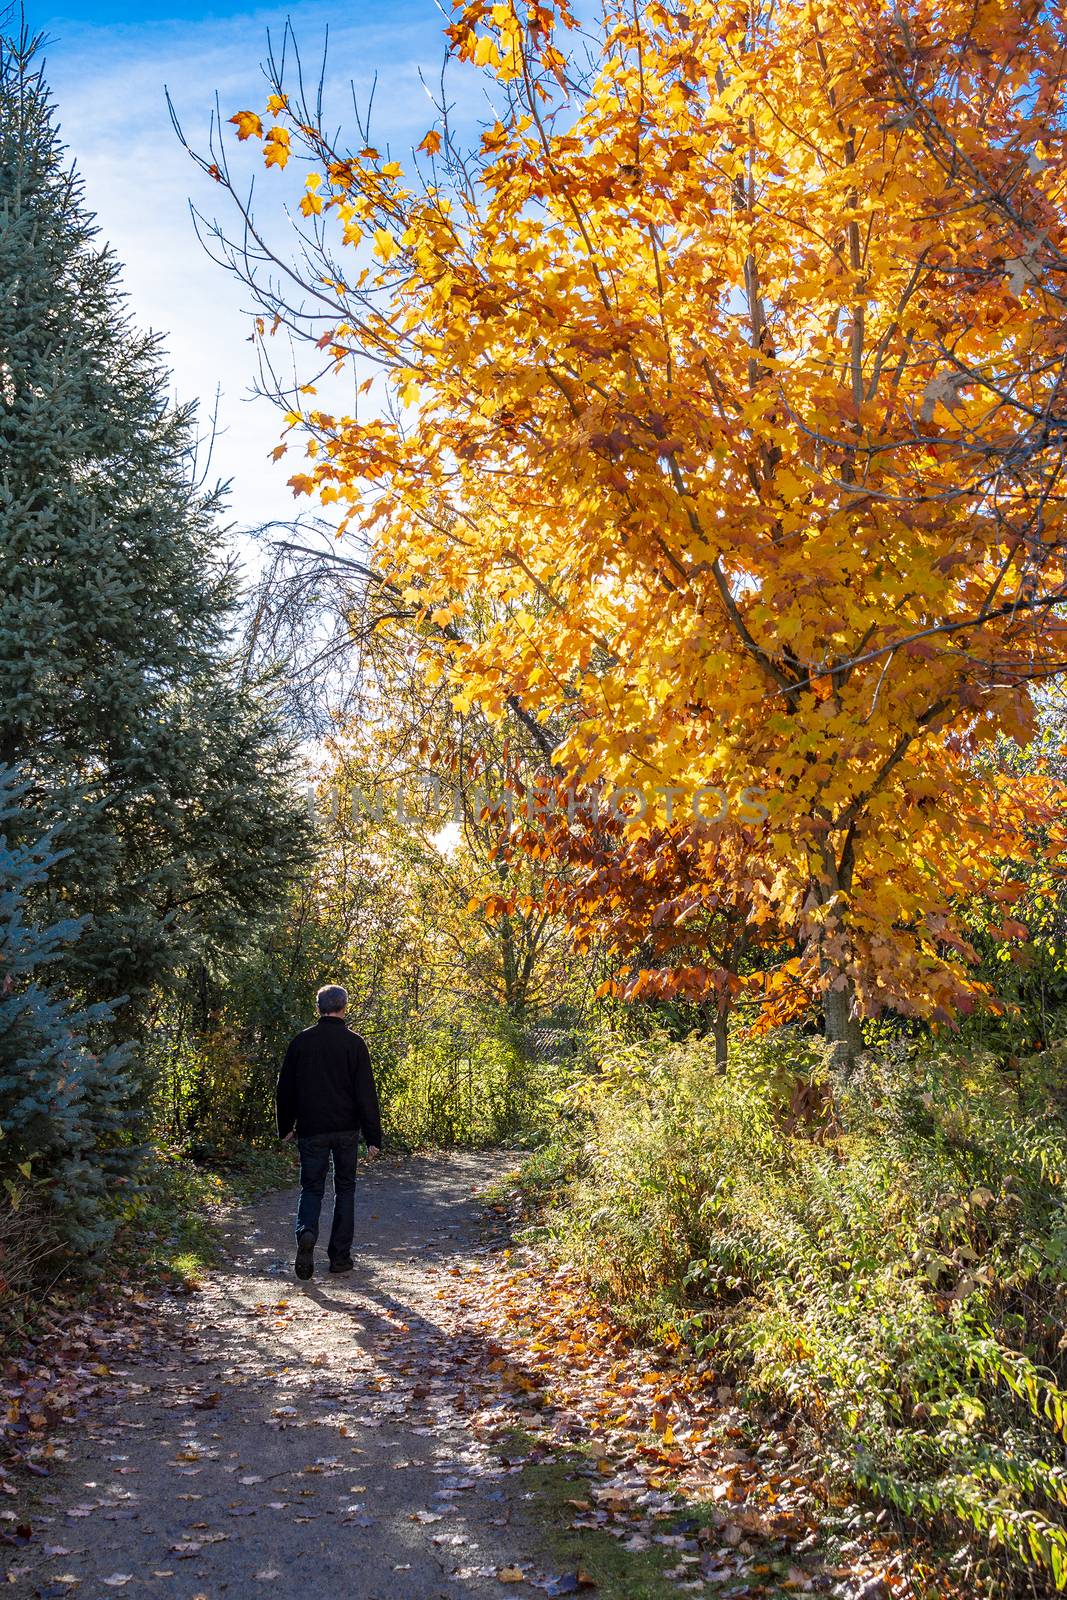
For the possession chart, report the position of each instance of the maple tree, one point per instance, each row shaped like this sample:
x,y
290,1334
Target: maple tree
x,y
678,912
729,365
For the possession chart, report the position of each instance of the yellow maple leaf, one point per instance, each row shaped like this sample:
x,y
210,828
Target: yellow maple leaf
x,y
495,138
385,246
248,125
276,149
486,52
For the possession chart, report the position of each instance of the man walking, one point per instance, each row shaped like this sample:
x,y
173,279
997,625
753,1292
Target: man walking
x,y
326,1093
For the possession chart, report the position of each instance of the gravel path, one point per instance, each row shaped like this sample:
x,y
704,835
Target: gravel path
x,y
298,1440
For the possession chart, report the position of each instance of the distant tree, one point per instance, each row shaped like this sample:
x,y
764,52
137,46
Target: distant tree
x,y
62,1106
120,697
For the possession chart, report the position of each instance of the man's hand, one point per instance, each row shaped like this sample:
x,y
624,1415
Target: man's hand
x,y
373,1151
287,1136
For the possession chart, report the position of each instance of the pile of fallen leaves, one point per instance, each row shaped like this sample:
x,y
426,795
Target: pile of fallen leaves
x,y
664,1435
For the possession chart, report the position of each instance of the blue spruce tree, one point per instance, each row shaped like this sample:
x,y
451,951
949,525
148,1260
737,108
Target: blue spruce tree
x,y
62,1104
120,700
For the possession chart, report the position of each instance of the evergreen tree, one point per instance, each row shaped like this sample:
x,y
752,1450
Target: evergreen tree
x,y
118,699
61,1106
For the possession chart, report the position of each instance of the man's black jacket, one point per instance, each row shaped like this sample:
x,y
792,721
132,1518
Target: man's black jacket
x,y
326,1084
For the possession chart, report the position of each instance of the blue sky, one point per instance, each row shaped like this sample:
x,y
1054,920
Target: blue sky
x,y
105,15
108,65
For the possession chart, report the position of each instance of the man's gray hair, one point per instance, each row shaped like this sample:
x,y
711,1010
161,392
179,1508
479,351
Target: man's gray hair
x,y
331,998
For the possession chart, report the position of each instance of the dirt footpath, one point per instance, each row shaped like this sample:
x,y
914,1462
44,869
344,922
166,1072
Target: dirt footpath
x,y
301,1440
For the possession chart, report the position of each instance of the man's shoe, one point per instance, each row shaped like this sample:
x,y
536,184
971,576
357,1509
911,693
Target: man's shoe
x,y
305,1254
347,1265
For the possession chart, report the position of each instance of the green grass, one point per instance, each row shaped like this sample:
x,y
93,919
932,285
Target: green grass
x,y
551,1481
171,1229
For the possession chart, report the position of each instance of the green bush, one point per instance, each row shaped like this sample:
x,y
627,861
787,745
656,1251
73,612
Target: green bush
x,y
465,1079
900,1283
448,1073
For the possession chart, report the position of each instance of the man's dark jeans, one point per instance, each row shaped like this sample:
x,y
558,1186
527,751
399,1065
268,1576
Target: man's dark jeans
x,y
315,1154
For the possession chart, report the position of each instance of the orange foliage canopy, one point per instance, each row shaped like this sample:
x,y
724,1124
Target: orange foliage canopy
x,y
728,422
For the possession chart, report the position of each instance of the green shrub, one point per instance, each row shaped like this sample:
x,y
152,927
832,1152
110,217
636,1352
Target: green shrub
x,y
901,1283
465,1079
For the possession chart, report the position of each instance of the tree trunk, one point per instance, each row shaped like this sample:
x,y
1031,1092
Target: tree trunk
x,y
722,1038
833,883
843,1033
